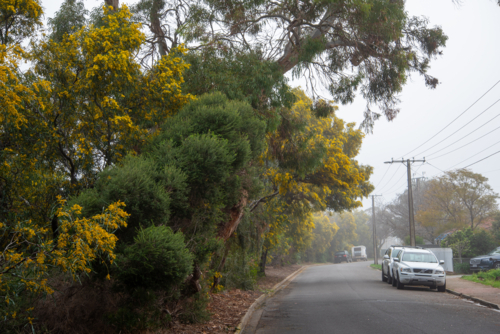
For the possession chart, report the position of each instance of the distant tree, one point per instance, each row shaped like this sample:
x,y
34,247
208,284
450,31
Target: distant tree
x,y
457,199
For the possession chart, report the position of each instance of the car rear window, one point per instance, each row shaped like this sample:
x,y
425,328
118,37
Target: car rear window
x,y
339,253
419,257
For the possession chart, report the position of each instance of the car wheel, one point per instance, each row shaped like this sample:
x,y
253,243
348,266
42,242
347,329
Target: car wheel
x,y
496,265
384,279
399,285
389,279
442,288
394,280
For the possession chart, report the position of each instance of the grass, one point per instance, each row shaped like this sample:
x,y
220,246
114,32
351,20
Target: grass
x,y
490,277
376,266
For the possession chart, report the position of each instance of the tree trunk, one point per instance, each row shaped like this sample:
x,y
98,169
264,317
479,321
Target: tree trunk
x,y
235,215
114,3
156,28
262,265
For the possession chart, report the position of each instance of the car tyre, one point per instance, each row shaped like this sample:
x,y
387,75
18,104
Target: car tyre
x,y
399,285
442,288
394,280
384,279
389,279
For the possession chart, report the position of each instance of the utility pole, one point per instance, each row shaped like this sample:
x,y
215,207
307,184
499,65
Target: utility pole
x,y
375,254
407,163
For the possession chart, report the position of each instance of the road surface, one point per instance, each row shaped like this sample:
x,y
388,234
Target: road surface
x,y
351,298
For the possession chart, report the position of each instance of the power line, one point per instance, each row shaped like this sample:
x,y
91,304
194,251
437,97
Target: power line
x,y
474,154
453,120
461,129
481,160
464,145
383,176
385,185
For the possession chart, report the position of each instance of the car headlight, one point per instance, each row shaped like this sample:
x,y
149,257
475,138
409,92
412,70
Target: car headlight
x,y
405,270
440,272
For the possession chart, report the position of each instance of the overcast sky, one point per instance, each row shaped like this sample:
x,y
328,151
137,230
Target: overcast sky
x,y
469,67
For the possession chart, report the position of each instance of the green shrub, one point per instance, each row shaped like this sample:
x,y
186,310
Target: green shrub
x,y
461,268
158,259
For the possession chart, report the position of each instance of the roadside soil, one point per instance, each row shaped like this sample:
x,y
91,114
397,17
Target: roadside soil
x,y
228,307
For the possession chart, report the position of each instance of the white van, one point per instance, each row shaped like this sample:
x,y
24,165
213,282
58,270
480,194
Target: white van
x,y
359,253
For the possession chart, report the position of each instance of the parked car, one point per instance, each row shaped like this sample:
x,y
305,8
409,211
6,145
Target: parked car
x,y
359,253
486,262
387,262
342,256
415,266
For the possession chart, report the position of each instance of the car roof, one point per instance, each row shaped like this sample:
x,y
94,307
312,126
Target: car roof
x,y
418,250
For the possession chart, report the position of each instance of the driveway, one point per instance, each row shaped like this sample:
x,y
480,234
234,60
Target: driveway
x,y
351,298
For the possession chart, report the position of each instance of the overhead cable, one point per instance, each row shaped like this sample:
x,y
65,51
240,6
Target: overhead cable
x,y
453,120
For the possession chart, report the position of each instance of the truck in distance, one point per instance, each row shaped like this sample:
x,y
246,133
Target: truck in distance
x,y
359,253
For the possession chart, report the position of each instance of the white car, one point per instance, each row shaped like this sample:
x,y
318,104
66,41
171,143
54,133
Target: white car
x,y
415,266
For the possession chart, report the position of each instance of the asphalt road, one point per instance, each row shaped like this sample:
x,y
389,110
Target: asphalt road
x,y
351,298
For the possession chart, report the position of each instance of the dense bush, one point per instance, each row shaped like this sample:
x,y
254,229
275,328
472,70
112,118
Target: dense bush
x,y
472,242
138,183
461,268
158,259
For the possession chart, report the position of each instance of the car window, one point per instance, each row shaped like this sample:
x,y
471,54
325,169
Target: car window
x,y
419,257
495,252
339,253
395,252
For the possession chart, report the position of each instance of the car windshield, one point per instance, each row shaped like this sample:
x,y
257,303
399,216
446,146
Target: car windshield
x,y
419,257
395,252
495,252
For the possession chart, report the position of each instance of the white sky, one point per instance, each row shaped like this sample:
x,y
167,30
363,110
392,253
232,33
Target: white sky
x,y
468,68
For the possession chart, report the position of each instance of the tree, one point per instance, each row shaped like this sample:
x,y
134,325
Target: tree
x,y
81,107
457,199
323,39
310,166
323,234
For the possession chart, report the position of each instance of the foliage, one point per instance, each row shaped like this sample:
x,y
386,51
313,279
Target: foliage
x,y
418,240
158,259
490,277
141,186
82,106
470,243
310,167
30,253
323,234
368,46
243,76
376,266
457,199
19,19
461,268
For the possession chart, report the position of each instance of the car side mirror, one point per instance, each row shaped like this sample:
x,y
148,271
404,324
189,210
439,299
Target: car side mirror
x,y
441,261
386,257
395,259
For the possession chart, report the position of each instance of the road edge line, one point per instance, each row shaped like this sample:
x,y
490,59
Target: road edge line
x,y
474,299
259,301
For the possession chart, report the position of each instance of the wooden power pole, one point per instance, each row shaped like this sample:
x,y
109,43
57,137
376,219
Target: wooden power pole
x,y
408,162
375,253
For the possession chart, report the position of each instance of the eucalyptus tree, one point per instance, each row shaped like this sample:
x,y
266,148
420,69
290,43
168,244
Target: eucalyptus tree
x,y
368,47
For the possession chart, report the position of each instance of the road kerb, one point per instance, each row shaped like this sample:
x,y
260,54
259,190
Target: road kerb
x,y
257,303
474,299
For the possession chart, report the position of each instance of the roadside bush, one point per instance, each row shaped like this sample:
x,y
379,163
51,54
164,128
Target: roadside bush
x,y
158,259
461,268
490,277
